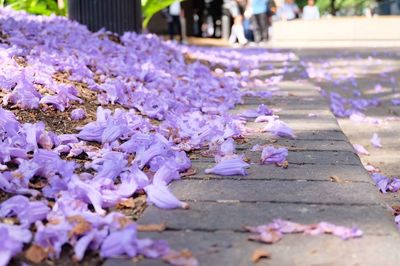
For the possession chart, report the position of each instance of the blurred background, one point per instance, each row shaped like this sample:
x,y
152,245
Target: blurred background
x,y
336,19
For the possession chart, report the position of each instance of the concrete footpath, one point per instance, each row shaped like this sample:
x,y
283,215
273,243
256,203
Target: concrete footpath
x,y
220,206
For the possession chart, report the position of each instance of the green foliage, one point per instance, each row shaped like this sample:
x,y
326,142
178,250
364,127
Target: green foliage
x,y
38,7
341,7
151,7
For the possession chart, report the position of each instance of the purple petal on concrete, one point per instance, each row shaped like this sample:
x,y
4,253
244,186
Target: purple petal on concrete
x,y
360,149
280,128
152,248
160,196
396,101
273,155
381,181
340,231
257,147
394,185
166,174
376,141
228,167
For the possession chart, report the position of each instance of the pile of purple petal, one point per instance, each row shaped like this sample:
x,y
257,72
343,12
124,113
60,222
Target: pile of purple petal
x,y
273,232
385,183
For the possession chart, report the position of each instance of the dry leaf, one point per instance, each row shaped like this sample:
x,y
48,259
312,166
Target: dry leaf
x,y
241,140
190,172
128,203
151,227
246,159
268,237
336,179
284,165
396,210
81,225
35,254
259,254
181,258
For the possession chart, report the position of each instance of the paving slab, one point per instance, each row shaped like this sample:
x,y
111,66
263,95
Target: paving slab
x,y
346,173
227,248
276,191
206,216
306,157
324,135
298,145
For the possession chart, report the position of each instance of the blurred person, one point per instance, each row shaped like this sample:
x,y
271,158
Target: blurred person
x,y
288,11
310,11
237,30
173,15
271,11
257,11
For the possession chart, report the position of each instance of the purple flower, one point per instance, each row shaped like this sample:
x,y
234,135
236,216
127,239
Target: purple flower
x,y
52,236
160,196
13,238
86,191
381,181
165,175
144,156
262,110
394,185
279,128
376,141
110,165
78,114
123,242
227,167
152,248
396,101
272,155
360,149
228,147
92,132
340,231
26,211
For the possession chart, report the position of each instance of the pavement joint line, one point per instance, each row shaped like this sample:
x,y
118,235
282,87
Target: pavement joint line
x,y
283,202
239,231
338,164
237,178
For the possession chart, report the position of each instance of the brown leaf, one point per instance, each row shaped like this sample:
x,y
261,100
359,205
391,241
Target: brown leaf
x,y
181,258
268,237
284,165
151,227
126,204
336,179
246,159
259,254
81,225
35,254
396,210
190,172
241,140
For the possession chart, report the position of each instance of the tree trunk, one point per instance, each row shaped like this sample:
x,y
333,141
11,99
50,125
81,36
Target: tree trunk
x,y
333,7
